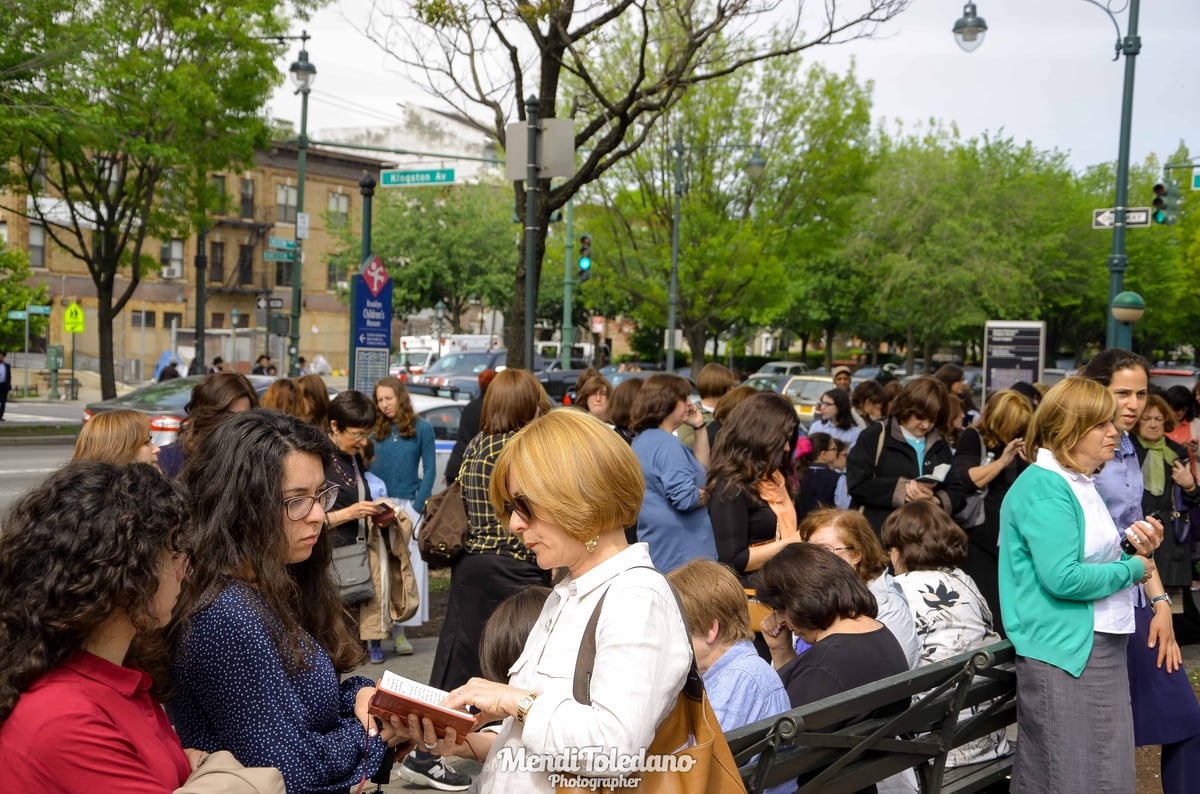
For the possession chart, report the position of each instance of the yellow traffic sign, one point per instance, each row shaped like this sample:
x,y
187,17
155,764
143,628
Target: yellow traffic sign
x,y
73,319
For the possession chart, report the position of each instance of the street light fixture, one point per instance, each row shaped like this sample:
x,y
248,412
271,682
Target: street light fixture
x,y
439,311
1118,262
754,168
303,72
969,29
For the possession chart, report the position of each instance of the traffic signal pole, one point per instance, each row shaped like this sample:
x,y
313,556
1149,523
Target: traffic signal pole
x,y
568,328
1120,334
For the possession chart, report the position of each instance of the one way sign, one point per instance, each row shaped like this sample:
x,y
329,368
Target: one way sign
x,y
1107,218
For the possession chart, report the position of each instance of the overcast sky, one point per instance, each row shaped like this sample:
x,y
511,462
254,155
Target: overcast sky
x,y
1045,73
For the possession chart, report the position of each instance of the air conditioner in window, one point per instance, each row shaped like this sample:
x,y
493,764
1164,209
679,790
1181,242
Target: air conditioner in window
x,y
174,270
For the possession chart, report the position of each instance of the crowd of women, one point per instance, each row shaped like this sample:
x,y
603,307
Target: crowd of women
x,y
896,533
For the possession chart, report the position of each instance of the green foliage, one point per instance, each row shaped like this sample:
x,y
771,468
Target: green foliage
x,y
15,295
150,98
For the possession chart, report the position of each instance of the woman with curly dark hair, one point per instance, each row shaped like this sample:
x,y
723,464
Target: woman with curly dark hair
x,y
91,562
214,399
261,638
750,482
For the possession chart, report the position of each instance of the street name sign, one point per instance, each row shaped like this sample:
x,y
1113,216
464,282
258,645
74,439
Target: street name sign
x,y
431,176
38,309
264,302
17,314
281,242
279,256
1196,180
1107,218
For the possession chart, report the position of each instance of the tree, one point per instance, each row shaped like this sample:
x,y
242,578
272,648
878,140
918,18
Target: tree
x,y
446,243
616,67
15,295
122,131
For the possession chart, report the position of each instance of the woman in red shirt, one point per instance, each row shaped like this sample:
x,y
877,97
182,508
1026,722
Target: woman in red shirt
x,y
91,563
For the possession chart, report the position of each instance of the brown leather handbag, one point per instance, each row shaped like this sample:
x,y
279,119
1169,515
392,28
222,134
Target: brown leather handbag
x,y
443,527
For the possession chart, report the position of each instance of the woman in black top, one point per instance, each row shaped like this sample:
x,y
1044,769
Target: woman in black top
x,y
751,480
883,467
989,455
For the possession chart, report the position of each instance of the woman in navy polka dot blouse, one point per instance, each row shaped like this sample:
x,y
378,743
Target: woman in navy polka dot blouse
x,y
260,637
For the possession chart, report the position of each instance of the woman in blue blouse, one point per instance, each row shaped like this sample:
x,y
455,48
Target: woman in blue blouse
x,y
260,637
406,461
674,519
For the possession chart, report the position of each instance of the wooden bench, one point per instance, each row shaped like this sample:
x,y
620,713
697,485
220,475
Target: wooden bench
x,y
799,743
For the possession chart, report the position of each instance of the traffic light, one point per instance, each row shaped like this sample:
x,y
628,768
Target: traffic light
x,y
1166,202
585,258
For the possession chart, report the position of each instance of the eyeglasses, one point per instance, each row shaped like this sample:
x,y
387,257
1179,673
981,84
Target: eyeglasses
x,y
827,405
298,507
836,549
358,435
520,506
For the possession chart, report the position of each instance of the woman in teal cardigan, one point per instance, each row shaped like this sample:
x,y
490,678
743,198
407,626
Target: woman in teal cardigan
x,y
1067,599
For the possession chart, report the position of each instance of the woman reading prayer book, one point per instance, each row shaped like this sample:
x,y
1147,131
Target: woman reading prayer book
x,y
571,510
260,637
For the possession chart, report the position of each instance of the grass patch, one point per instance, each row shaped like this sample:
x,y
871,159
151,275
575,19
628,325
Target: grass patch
x,y
439,581
28,431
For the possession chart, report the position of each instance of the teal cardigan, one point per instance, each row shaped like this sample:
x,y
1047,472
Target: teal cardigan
x,y
1046,590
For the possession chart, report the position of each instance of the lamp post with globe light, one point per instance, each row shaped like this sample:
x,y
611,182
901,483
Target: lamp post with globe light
x,y
969,31
303,74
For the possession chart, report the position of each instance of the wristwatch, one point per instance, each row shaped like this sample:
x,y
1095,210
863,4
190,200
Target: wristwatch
x,y
1162,597
523,706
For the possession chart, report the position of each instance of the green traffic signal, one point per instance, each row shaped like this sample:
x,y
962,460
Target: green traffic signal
x,y
585,258
1159,212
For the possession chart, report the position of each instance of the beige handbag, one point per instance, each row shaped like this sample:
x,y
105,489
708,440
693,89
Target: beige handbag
x,y
221,773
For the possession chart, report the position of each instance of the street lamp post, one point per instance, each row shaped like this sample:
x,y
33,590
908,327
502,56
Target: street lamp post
x,y
303,74
754,168
969,30
439,311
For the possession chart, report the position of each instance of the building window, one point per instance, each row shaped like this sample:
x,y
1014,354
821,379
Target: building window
x,y
37,245
283,274
286,199
141,319
171,257
216,262
217,321
241,321
247,198
172,319
333,275
4,233
218,186
38,179
339,209
245,264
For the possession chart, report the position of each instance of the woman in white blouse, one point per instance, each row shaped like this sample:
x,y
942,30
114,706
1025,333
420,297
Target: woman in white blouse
x,y
571,510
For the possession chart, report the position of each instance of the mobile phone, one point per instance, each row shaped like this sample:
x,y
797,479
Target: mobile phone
x,y
1127,544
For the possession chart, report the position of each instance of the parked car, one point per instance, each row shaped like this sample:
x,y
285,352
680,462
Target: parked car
x,y
766,381
783,368
1176,376
163,403
444,415
805,392
456,375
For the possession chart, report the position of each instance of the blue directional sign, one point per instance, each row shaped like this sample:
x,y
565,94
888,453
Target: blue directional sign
x,y
371,322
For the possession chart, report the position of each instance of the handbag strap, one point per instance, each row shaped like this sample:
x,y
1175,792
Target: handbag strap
x,y
581,688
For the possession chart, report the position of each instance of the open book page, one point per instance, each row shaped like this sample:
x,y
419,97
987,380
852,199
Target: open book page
x,y
938,475
402,696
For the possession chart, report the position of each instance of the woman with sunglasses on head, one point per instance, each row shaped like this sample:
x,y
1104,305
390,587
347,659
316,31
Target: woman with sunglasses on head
x,y
261,639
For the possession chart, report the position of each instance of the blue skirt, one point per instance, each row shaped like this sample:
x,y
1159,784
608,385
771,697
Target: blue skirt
x,y
1164,705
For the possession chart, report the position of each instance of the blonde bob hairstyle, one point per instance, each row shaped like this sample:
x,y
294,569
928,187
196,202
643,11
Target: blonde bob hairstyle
x,y
586,495
1071,408
1005,416
711,592
113,437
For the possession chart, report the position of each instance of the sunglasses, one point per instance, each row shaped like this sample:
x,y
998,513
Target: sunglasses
x,y
520,506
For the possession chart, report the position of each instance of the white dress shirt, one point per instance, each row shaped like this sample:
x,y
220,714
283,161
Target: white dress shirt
x,y
1101,543
643,653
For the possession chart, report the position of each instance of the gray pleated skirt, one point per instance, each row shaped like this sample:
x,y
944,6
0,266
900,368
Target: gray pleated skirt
x,y
1075,735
